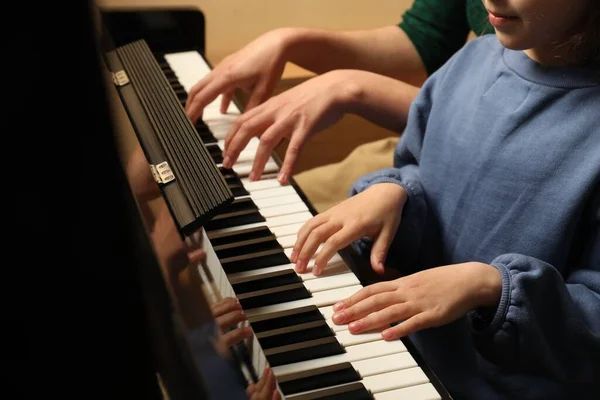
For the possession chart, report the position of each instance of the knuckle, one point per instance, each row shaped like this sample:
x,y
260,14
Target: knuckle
x,y
268,140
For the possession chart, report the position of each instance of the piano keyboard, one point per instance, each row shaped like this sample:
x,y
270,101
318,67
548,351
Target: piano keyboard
x,y
248,247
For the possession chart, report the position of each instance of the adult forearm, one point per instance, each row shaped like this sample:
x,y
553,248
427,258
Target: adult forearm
x,y
387,51
378,98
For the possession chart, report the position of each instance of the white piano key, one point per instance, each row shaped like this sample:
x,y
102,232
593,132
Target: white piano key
x,y
277,201
244,168
261,184
285,209
347,339
384,364
288,219
395,380
286,230
327,313
331,282
319,299
353,353
274,192
420,392
287,241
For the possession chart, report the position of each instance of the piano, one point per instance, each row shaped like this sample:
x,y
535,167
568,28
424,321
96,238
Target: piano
x,y
248,244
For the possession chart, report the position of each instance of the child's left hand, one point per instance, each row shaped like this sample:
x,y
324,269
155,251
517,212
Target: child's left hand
x,y
428,298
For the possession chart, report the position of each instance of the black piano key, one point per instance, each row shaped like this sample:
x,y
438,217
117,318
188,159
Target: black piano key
x,y
238,190
201,125
303,316
350,391
254,233
304,351
177,87
174,82
169,74
233,180
248,249
182,96
285,278
317,332
238,205
319,378
216,153
268,260
287,293
234,221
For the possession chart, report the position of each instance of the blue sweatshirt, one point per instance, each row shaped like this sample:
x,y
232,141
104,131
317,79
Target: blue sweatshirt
x,y
501,160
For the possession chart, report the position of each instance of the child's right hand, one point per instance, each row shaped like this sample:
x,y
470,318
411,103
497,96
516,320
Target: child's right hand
x,y
375,213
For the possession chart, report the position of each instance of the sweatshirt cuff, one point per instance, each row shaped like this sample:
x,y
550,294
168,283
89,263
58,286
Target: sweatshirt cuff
x,y
487,321
389,175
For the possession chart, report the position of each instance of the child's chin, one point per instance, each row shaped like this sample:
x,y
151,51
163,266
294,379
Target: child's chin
x,y
512,41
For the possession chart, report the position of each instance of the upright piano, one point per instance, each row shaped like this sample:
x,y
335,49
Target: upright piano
x,y
248,233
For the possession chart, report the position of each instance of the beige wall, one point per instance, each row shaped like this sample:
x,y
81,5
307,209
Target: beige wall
x,y
232,23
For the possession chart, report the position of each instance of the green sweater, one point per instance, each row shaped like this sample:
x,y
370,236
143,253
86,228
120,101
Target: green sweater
x,y
438,28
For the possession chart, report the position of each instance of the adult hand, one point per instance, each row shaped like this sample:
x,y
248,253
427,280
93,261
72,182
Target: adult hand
x,y
429,298
256,69
296,114
375,213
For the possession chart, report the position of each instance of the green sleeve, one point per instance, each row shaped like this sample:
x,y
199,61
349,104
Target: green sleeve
x,y
438,28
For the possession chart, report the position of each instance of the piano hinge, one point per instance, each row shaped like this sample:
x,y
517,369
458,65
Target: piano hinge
x,y
162,172
120,78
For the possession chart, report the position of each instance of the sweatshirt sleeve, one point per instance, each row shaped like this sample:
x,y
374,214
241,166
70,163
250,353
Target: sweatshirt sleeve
x,y
406,174
546,321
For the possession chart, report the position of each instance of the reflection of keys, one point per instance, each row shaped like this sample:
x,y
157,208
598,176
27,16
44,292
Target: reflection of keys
x,y
248,247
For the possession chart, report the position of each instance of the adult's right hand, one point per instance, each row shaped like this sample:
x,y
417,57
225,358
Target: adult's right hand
x,y
256,69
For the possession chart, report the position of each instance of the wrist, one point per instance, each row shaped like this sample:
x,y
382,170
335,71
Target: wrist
x,y
294,43
489,285
391,191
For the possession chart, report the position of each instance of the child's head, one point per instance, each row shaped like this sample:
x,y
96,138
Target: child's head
x,y
550,31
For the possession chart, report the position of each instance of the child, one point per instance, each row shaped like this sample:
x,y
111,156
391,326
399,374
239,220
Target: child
x,y
495,199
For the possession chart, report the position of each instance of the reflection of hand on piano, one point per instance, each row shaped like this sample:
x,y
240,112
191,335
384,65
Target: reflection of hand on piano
x,y
229,315
265,388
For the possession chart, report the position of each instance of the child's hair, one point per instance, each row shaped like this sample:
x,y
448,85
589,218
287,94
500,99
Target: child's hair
x,y
585,45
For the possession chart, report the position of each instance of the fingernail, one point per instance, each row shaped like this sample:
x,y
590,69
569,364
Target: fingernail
x,y
293,256
338,306
355,326
282,177
387,334
301,265
339,318
227,162
252,176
